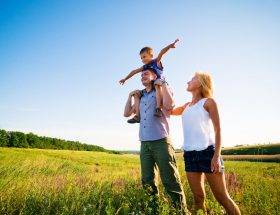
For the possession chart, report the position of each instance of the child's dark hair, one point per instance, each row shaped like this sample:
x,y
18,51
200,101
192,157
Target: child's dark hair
x,y
149,50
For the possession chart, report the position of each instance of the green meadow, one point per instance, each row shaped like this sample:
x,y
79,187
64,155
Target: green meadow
x,y
42,181
261,149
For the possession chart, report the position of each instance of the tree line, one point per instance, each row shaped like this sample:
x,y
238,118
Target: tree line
x,y
21,140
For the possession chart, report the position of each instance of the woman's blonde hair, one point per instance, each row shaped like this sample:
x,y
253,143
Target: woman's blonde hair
x,y
206,82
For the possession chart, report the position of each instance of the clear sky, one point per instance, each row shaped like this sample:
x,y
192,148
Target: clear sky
x,y
60,63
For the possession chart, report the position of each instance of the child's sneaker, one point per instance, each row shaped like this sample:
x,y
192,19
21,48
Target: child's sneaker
x,y
158,112
135,119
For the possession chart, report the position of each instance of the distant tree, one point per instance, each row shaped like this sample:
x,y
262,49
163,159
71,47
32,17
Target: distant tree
x,y
4,138
22,140
19,139
13,141
33,140
46,143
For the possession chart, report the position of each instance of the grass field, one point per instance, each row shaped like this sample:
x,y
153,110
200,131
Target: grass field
x,y
254,158
264,149
36,181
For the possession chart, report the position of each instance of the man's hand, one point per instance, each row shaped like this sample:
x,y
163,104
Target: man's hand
x,y
134,93
159,82
122,81
173,45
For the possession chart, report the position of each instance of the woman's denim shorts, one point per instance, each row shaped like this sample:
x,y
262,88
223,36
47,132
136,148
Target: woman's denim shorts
x,y
200,161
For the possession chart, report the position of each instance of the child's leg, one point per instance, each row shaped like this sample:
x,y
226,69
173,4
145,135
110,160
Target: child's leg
x,y
137,104
158,96
158,111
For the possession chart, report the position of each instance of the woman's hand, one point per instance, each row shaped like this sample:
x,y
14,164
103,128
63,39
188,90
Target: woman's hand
x,y
216,165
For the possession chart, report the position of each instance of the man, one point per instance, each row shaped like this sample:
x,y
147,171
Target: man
x,y
157,151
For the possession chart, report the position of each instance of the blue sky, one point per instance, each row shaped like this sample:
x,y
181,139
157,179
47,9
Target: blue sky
x,y
60,63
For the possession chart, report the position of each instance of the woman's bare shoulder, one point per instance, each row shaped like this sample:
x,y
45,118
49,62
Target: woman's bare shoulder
x,y
210,103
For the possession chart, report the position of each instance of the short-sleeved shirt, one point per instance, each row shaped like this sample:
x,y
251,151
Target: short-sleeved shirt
x,y
152,127
158,70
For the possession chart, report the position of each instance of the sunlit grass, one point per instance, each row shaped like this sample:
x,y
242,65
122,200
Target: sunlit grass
x,y
35,181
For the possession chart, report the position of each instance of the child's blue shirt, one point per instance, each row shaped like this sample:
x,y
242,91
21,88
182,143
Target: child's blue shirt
x,y
158,70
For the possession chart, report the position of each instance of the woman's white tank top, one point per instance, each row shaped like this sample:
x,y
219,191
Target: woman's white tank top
x,y
197,127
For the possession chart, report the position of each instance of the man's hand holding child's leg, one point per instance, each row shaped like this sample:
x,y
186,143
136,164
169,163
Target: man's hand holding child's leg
x,y
136,94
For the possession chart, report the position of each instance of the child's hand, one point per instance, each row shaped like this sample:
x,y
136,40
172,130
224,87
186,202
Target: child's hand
x,y
122,81
173,45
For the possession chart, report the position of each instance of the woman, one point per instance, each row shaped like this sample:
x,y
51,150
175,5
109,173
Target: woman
x,y
202,143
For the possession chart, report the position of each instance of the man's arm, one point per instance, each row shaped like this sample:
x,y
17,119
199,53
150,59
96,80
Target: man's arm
x,y
167,98
133,72
129,109
164,50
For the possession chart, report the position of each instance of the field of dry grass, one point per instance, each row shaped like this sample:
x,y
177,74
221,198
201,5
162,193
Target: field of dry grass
x,y
40,181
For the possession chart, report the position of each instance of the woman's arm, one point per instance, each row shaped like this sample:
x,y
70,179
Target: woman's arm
x,y
211,106
179,110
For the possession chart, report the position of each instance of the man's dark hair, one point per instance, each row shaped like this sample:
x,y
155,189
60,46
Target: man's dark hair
x,y
150,68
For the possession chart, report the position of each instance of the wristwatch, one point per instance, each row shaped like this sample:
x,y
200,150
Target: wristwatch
x,y
162,82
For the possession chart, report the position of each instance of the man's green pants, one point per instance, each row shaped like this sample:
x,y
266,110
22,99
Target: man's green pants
x,y
159,154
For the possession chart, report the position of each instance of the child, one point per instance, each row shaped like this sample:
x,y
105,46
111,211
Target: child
x,y
147,57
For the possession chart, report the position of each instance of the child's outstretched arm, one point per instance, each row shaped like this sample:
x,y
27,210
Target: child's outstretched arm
x,y
133,72
164,50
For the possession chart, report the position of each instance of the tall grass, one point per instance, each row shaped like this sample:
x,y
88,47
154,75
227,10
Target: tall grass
x,y
34,181
265,149
255,158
